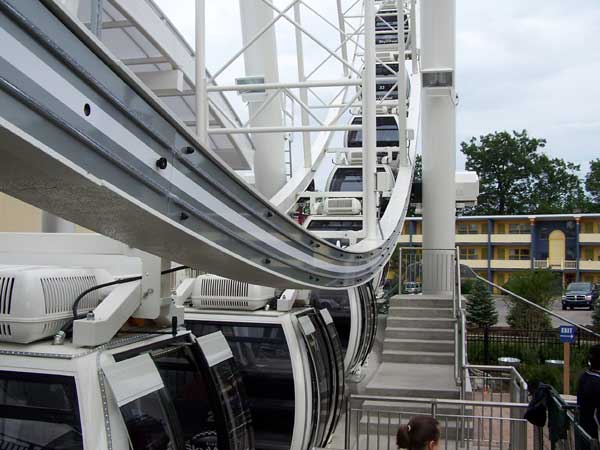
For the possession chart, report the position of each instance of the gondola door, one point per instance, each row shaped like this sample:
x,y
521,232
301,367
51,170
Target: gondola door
x,y
323,380
203,388
337,360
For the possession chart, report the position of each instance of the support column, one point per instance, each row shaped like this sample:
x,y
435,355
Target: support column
x,y
201,82
260,59
577,248
438,126
303,92
490,250
402,82
532,246
369,126
412,229
55,224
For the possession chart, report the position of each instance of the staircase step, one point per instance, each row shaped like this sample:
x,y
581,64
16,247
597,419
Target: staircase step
x,y
417,301
419,345
419,333
418,357
420,322
405,311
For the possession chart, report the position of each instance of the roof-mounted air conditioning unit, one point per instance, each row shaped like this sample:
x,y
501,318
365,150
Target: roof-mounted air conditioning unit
x,y
36,302
342,206
214,292
387,56
354,157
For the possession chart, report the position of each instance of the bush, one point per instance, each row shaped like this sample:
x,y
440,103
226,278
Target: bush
x,y
481,308
596,317
537,286
466,286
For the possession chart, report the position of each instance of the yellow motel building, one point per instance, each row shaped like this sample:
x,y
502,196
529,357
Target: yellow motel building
x,y
496,246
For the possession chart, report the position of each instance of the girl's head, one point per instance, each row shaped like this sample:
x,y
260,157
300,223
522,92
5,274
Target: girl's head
x,y
421,433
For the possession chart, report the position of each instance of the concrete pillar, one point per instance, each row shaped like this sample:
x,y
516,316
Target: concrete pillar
x,y
532,248
438,126
577,248
490,250
260,59
54,224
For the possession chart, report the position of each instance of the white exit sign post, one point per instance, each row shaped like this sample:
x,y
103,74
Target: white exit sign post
x,y
567,337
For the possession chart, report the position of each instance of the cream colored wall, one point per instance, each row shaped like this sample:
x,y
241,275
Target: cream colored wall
x,y
20,217
17,216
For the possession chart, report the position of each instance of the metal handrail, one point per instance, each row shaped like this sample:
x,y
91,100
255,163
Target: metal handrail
x,y
438,401
515,373
534,305
459,329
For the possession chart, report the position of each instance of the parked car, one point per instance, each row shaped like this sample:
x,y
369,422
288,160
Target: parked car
x,y
412,287
580,294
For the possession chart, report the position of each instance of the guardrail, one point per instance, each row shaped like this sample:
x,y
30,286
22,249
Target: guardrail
x,y
563,430
372,422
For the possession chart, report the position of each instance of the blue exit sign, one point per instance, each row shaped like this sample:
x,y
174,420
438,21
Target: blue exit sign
x,y
567,334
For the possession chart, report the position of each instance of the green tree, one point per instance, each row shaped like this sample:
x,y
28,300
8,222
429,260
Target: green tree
x,y
505,164
592,183
481,308
517,178
538,286
557,187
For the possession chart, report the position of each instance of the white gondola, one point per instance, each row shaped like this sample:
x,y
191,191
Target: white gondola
x,y
354,313
387,132
349,179
139,391
291,366
388,88
386,28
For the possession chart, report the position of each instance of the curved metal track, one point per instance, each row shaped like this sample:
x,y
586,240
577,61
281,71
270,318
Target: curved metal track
x,y
82,138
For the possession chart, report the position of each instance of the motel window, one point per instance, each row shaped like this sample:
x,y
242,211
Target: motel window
x,y
518,254
589,254
468,253
588,227
519,228
467,228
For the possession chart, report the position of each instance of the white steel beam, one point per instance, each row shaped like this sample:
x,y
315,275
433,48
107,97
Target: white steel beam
x,y
285,85
303,91
260,59
343,37
438,36
266,130
401,80
249,41
369,126
201,82
314,38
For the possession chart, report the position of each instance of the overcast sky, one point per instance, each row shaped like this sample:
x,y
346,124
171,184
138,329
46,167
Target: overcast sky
x,y
521,64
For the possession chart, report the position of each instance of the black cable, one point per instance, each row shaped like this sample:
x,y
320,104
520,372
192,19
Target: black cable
x,y
111,283
95,288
